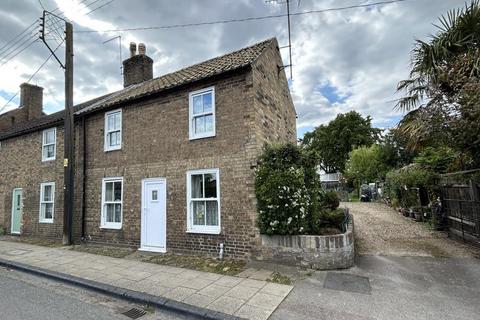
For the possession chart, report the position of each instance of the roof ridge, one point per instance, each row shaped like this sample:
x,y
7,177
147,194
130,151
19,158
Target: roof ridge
x,y
215,58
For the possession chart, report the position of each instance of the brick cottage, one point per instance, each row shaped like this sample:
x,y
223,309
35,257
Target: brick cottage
x,y
166,164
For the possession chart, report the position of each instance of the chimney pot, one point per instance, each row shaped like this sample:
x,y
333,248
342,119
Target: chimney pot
x,y
133,49
142,49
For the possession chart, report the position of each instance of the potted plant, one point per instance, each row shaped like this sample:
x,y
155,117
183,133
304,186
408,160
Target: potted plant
x,y
412,212
417,213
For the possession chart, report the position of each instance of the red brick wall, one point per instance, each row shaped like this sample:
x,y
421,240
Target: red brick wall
x,y
275,115
21,166
252,107
12,118
156,144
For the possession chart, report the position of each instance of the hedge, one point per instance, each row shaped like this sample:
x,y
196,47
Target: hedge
x,y
287,187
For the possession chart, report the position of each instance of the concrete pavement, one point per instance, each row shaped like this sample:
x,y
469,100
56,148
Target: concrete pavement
x,y
244,298
417,288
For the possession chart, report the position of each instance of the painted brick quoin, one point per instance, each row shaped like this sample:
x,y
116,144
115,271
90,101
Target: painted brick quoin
x,y
253,106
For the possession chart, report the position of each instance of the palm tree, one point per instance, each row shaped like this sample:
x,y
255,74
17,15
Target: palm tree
x,y
433,63
441,72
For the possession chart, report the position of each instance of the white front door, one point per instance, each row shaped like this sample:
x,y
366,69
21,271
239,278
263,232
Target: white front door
x,y
154,215
17,211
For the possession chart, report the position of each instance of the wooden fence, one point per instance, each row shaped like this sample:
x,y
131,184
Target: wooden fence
x,y
461,204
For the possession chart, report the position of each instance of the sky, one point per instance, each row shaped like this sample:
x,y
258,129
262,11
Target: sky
x,y
342,60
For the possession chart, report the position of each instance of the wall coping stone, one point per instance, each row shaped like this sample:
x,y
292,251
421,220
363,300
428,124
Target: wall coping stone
x,y
320,252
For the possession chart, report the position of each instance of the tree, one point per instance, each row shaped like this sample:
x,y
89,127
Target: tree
x,y
394,151
442,92
365,164
332,143
440,159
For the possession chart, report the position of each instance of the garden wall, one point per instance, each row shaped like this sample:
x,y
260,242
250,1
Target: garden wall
x,y
315,252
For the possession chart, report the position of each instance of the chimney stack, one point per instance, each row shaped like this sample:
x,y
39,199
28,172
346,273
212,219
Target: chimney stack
x,y
137,68
31,98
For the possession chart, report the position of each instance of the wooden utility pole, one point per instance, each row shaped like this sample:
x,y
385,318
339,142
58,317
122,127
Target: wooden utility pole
x,y
289,39
69,160
50,26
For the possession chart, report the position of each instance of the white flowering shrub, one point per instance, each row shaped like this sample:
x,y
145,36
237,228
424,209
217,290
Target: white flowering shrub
x,y
284,191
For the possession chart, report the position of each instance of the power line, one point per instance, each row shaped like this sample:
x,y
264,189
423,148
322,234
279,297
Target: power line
x,y
63,13
174,26
16,54
100,7
7,48
58,8
92,3
25,33
41,4
86,6
16,46
18,35
31,77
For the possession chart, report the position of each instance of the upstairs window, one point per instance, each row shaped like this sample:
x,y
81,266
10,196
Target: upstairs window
x,y
203,201
113,130
202,113
47,202
49,139
112,202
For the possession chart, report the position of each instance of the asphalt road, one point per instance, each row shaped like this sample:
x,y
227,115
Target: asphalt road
x,y
392,288
24,297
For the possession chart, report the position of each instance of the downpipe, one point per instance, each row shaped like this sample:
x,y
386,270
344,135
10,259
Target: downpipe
x,y
220,253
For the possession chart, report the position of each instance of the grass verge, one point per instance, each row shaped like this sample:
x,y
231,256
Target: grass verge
x,y
200,263
109,251
277,277
40,242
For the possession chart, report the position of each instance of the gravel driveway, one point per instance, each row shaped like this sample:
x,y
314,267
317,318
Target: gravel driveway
x,y
380,230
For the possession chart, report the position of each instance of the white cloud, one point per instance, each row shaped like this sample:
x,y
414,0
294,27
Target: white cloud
x,y
360,53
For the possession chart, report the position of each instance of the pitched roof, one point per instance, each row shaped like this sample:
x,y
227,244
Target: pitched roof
x,y
206,69
216,66
42,122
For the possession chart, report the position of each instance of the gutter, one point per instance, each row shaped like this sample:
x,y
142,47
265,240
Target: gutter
x,y
84,170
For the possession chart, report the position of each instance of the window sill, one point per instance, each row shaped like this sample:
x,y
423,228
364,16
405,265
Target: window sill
x,y
219,231
112,149
111,227
48,159
46,221
212,135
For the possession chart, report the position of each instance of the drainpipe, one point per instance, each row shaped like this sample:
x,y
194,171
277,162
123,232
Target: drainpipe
x,y
84,169
220,254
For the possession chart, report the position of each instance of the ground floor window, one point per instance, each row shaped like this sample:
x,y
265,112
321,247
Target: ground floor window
x,y
203,201
47,202
112,199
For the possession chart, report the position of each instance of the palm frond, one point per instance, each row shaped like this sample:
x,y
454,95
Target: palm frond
x,y
458,33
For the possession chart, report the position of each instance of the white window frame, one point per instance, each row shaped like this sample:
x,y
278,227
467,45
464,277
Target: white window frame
x,y
191,116
103,223
191,228
41,213
44,144
107,146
